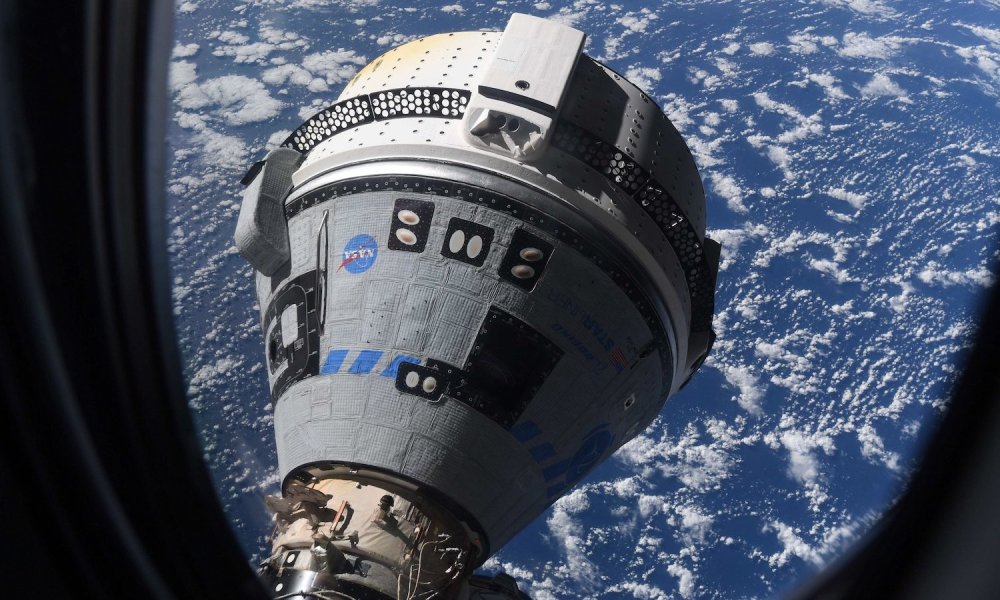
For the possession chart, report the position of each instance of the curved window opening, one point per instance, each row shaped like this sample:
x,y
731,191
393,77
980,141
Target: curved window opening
x,y
856,247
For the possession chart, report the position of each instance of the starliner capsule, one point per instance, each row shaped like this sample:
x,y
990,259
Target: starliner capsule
x,y
480,272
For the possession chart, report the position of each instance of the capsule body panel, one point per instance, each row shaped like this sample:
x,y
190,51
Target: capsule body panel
x,y
480,272
488,359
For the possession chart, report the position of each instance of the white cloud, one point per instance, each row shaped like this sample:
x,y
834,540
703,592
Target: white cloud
x,y
726,187
803,465
697,464
990,35
453,8
792,545
570,533
638,22
233,37
236,99
934,274
211,374
184,50
685,579
246,53
881,85
276,138
762,48
182,73
750,388
868,8
803,43
861,45
830,268
873,448
350,5
732,239
857,201
641,591
335,66
829,84
293,74
645,78
983,59
694,524
394,39
281,39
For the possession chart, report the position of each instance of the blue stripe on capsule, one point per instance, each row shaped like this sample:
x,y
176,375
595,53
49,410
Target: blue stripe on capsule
x,y
334,360
365,362
393,367
542,452
525,431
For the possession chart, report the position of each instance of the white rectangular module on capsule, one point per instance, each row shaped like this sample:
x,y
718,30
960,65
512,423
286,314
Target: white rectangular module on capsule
x,y
533,64
518,99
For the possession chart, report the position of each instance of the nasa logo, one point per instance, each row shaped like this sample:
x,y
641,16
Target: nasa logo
x,y
359,254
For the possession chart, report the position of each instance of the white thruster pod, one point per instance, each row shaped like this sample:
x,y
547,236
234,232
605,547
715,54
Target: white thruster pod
x,y
481,271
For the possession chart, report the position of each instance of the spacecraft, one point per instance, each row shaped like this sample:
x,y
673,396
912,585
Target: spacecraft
x,y
480,272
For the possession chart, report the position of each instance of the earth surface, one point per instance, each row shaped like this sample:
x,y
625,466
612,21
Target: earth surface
x,y
850,155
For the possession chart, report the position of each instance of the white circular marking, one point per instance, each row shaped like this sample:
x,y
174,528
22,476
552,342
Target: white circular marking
x,y
457,241
532,254
290,559
475,246
412,379
522,272
430,384
409,217
406,236
279,587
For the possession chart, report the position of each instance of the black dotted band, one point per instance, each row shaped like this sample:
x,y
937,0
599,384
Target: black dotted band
x,y
631,178
442,103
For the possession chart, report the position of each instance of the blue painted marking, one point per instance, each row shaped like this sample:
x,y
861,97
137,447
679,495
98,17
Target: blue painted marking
x,y
591,449
365,362
360,254
393,367
525,431
334,360
552,471
587,455
542,452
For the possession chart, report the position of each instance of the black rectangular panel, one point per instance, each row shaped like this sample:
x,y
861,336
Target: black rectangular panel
x,y
525,260
421,381
411,224
509,361
467,241
302,355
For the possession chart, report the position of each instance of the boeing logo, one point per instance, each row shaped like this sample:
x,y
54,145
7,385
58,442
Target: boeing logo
x,y
359,254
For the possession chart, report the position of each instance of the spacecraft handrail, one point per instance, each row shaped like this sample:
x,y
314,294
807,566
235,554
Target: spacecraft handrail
x,y
324,235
